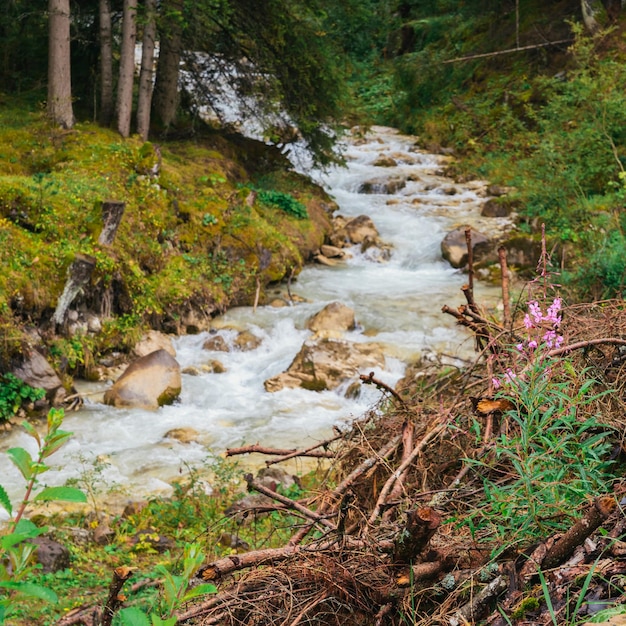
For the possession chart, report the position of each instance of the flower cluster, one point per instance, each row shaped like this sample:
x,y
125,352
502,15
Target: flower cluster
x,y
542,330
550,322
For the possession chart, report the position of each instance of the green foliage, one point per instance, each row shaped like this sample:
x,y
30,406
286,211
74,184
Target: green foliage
x,y
554,456
285,202
16,552
14,393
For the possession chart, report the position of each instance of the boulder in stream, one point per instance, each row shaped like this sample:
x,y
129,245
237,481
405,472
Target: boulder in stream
x,y
454,246
326,364
38,373
334,316
154,340
148,383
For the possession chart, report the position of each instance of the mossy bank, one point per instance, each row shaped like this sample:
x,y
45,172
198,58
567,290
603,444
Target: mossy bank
x,y
208,222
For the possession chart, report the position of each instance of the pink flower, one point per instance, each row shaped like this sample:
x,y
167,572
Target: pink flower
x,y
520,347
532,344
549,338
528,323
495,382
510,376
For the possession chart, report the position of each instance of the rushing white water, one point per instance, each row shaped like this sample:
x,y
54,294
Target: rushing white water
x,y
397,303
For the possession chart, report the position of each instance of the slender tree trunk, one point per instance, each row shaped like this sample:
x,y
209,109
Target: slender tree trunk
x,y
168,69
106,64
147,72
594,15
127,68
59,65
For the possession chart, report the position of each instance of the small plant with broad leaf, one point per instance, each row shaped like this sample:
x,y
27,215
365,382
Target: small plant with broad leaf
x,y
17,553
176,591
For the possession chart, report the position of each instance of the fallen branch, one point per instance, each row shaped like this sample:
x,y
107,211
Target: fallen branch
x,y
387,487
288,502
471,612
296,453
485,55
326,454
347,482
370,380
585,344
602,507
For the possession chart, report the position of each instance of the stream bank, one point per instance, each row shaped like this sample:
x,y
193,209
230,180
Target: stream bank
x,y
397,304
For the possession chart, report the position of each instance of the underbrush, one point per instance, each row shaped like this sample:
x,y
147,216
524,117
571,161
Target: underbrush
x,y
548,121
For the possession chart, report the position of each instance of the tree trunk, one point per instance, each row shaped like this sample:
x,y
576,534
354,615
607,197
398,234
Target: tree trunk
x,y
146,75
59,65
168,69
594,15
106,64
127,68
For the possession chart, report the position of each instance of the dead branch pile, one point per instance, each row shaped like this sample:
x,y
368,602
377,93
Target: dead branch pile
x,y
382,544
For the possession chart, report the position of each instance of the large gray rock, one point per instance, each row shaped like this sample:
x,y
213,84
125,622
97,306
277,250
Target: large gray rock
x,y
149,382
37,372
454,246
334,316
327,363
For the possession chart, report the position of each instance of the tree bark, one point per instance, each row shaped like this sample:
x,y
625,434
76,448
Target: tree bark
x,y
146,74
127,68
592,11
168,68
59,109
106,63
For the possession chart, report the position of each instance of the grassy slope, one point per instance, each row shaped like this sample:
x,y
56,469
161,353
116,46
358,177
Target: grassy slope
x,y
549,121
190,244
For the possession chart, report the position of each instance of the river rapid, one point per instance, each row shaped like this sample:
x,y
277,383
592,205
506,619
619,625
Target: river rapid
x,y
397,304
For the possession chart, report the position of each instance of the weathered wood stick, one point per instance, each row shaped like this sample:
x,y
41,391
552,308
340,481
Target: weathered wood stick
x,y
369,379
305,452
288,502
114,601
601,508
347,482
469,293
504,279
408,430
585,344
280,451
387,487
471,612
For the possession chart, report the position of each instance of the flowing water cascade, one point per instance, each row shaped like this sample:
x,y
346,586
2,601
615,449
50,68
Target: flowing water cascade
x,y
397,304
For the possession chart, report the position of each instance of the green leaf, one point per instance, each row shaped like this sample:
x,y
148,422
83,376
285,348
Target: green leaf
x,y
67,494
157,621
199,590
132,616
5,501
32,431
31,589
22,460
54,442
